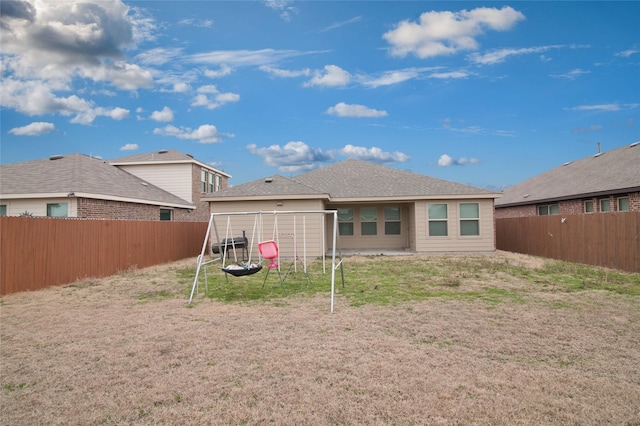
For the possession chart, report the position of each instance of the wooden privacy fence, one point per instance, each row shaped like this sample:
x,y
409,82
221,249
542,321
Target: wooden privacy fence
x,y
611,240
40,252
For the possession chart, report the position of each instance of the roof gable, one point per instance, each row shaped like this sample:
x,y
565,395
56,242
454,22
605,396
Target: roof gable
x,y
607,172
162,156
80,174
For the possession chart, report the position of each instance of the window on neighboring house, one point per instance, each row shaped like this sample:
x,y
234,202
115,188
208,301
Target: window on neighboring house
x,y
392,221
345,221
438,220
166,214
203,180
548,209
605,205
3,209
623,204
218,180
588,206
211,187
57,210
469,219
368,221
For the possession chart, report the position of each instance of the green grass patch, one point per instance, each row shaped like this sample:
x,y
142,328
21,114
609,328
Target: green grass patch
x,y
384,280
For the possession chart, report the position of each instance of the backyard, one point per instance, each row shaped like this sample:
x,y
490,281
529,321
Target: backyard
x,y
497,339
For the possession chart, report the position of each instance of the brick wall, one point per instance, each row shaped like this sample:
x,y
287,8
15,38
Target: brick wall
x,y
569,207
118,210
516,211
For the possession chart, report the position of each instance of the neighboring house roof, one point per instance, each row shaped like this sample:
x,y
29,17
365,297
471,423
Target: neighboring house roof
x,y
166,156
605,173
82,176
352,180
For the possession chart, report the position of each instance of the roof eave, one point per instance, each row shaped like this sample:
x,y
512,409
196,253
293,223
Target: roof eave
x,y
569,197
96,197
414,198
215,199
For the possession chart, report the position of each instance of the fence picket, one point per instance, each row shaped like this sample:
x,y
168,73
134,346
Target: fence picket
x,y
40,252
611,240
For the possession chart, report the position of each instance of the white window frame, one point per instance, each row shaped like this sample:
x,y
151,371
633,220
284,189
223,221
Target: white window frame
x,y
393,221
51,206
438,220
618,204
586,209
469,219
548,207
364,222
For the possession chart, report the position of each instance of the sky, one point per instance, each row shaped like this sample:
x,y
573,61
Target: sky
x,y
481,93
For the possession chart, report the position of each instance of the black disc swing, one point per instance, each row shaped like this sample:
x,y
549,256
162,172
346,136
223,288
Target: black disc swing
x,y
238,269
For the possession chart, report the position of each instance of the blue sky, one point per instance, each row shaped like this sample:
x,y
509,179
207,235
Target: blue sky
x,y
482,93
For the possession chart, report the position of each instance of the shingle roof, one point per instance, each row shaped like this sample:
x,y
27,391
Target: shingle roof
x,y
163,156
353,179
81,174
608,172
272,186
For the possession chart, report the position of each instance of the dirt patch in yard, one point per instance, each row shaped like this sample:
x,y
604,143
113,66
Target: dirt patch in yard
x,y
129,350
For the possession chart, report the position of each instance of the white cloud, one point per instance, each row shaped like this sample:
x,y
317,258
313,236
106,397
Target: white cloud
x,y
180,87
333,76
627,53
341,24
346,110
88,115
217,98
158,56
295,156
206,133
33,129
282,7
164,115
285,73
604,107
207,23
451,74
53,44
130,147
240,58
389,78
571,75
223,71
446,33
373,154
501,55
446,160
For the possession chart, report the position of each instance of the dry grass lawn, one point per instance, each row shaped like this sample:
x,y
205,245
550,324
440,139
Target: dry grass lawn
x,y
129,350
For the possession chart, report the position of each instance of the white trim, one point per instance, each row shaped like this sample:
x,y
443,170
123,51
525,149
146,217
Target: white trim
x,y
95,197
194,161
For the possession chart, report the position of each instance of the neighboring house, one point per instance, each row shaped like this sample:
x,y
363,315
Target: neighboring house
x,y
605,182
77,185
379,208
178,173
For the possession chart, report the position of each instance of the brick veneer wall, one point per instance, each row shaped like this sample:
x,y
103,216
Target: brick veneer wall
x,y
569,207
89,208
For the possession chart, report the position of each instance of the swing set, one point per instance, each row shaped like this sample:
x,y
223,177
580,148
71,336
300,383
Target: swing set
x,y
269,248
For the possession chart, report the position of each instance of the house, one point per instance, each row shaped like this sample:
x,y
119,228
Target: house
x,y
379,208
178,173
81,186
605,182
